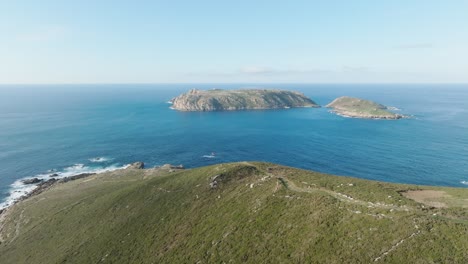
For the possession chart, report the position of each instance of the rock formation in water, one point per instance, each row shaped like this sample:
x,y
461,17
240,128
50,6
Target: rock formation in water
x,y
360,108
243,99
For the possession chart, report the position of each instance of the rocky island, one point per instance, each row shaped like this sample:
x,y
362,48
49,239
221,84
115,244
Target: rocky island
x,y
360,108
242,99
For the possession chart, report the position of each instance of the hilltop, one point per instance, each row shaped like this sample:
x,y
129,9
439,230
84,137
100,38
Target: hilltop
x,y
243,99
360,108
239,212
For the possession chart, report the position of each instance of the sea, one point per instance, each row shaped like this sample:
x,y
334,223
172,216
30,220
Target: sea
x,y
72,129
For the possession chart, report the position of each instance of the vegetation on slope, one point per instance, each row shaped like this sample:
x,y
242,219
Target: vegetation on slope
x,y
355,107
239,212
244,99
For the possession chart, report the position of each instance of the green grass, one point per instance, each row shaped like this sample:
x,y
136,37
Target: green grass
x,y
260,213
358,107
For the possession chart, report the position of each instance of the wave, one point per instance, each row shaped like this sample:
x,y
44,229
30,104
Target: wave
x,y
393,108
464,182
100,159
18,189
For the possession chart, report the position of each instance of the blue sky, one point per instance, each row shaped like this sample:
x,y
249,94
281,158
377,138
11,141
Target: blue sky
x,y
212,41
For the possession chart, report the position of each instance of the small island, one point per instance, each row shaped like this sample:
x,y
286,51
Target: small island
x,y
242,99
360,108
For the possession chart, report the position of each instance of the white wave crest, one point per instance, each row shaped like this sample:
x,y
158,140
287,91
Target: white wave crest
x,y
393,108
464,182
19,189
100,159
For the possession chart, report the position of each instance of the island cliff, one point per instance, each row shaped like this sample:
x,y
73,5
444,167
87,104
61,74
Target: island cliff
x,y
360,108
243,99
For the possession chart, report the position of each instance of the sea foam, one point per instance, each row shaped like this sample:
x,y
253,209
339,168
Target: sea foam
x,y
19,189
100,159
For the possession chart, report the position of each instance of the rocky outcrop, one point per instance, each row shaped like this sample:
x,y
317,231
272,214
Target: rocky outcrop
x,y
137,165
214,183
75,177
31,181
243,99
360,108
41,187
172,168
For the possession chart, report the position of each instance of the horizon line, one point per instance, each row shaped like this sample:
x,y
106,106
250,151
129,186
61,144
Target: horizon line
x,y
242,83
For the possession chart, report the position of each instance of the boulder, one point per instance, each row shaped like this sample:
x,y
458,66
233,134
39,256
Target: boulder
x,y
213,184
172,167
137,165
31,181
75,177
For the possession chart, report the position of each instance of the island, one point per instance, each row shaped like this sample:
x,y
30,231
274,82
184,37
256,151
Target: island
x,y
360,108
241,99
244,212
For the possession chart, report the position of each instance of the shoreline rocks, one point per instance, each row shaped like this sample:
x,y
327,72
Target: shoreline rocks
x,y
43,185
137,165
172,168
75,177
32,181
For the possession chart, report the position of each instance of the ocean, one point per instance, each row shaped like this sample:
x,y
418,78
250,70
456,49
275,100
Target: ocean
x,y
72,129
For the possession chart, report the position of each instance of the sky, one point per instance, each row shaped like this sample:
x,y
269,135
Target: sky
x,y
242,41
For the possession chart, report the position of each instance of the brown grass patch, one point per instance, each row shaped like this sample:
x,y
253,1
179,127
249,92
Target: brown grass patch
x,y
428,197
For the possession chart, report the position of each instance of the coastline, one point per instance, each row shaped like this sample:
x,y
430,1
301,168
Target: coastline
x,y
357,116
46,185
29,186
245,109
116,205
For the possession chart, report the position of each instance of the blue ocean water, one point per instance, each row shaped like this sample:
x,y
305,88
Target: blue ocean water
x,y
70,129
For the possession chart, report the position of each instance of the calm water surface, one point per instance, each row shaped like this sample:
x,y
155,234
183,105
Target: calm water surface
x,y
69,129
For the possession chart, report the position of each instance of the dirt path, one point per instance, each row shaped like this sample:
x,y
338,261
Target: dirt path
x,y
396,245
340,196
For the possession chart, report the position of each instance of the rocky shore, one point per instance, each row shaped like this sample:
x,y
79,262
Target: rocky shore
x,y
43,185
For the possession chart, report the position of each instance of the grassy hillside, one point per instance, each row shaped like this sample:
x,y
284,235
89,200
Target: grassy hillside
x,y
250,212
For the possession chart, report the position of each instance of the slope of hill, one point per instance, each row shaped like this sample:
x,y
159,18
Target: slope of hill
x,y
239,212
243,99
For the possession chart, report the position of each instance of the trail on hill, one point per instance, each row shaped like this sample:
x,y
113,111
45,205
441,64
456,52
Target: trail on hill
x,y
340,196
